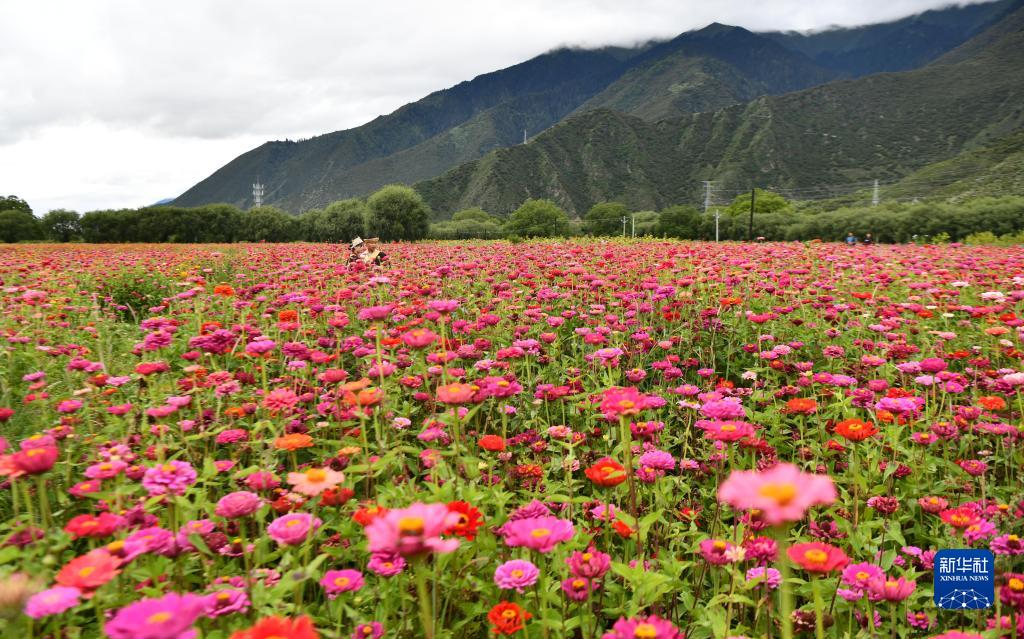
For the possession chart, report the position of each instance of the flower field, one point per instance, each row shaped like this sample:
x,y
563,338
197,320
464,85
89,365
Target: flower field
x,y
617,440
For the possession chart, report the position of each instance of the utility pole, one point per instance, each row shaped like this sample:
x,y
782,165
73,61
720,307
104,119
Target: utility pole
x,y
632,219
707,194
717,215
874,195
257,194
624,218
524,136
750,229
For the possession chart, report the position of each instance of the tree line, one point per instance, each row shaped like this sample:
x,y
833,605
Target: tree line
x,y
398,213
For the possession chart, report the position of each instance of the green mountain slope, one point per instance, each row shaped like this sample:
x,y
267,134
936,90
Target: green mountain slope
x,y
300,175
900,45
883,126
706,70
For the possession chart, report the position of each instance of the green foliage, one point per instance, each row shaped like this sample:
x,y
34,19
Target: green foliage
x,y
764,202
60,225
645,222
678,221
538,218
397,212
268,224
14,203
474,214
131,292
989,238
18,225
605,218
339,222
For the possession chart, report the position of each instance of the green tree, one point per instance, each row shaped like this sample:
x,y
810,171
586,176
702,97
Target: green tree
x,y
14,203
538,218
605,218
340,221
475,215
60,225
678,221
397,212
267,224
765,202
644,222
17,225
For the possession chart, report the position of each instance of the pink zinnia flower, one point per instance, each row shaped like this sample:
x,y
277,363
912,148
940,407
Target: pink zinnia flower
x,y
577,588
315,480
860,574
886,589
591,564
385,565
169,617
52,601
647,627
625,402
726,431
516,574
336,582
280,399
225,602
238,504
293,529
413,531
782,493
538,533
170,477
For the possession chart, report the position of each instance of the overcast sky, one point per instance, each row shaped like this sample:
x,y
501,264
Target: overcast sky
x,y
122,103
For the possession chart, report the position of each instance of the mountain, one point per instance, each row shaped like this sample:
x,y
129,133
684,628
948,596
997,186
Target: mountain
x,y
901,45
455,124
699,71
706,70
882,126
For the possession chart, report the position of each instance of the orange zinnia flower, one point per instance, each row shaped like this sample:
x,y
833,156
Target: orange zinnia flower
x,y
293,441
89,572
801,406
223,290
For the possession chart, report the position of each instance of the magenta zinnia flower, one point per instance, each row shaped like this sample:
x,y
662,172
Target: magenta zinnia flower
x,y
539,533
412,531
293,528
336,582
238,504
170,477
52,601
782,493
591,564
885,589
169,617
647,627
225,602
516,574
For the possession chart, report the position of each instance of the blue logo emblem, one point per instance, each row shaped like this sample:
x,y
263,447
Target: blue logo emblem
x,y
964,579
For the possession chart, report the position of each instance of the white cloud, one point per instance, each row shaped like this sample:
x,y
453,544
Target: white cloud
x,y
113,103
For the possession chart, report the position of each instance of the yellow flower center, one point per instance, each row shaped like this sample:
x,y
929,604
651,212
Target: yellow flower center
x,y
85,572
341,582
168,468
781,494
517,573
816,556
862,576
159,617
223,596
892,584
410,525
587,556
540,532
728,428
579,584
625,403
1015,584
316,475
293,522
718,544
645,631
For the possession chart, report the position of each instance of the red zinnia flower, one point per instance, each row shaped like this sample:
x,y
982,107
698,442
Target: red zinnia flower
x,y
606,472
961,517
367,514
88,572
855,430
279,628
817,557
493,443
507,618
469,520
801,406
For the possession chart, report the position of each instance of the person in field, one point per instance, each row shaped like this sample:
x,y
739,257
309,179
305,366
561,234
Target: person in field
x,y
367,252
